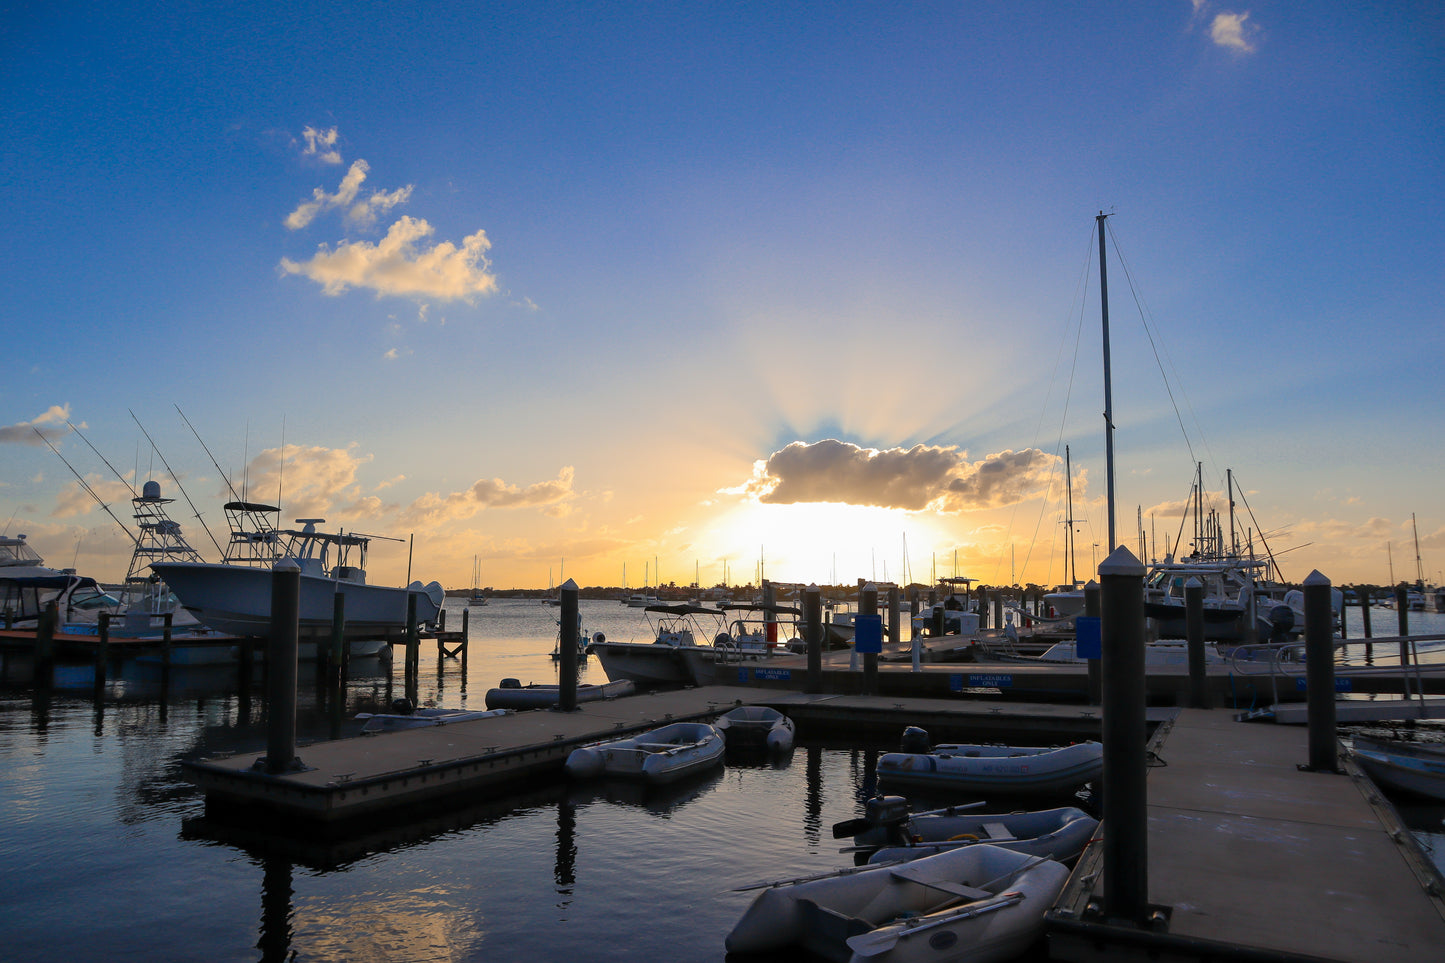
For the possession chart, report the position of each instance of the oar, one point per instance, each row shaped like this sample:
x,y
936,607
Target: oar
x,y
846,871
877,942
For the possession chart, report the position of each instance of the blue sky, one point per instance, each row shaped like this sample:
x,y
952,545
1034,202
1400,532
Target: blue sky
x,y
535,282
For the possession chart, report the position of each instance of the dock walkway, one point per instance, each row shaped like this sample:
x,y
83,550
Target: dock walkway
x,y
1259,860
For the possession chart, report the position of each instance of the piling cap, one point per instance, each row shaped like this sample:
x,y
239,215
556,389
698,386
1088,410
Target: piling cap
x,y
812,587
1121,561
286,565
1194,582
1315,578
568,586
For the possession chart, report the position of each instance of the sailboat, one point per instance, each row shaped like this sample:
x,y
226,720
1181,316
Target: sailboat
x,y
479,595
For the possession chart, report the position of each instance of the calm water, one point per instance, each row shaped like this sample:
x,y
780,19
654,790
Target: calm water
x,y
105,852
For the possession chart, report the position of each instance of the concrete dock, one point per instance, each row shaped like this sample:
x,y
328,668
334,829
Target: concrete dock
x,y
1257,860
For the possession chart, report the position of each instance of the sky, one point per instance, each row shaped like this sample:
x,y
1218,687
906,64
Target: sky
x,y
641,292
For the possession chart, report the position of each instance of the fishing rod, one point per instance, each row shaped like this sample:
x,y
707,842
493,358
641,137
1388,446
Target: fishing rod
x,y
175,478
86,486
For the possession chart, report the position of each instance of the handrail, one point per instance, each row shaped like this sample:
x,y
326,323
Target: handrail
x,y
1289,660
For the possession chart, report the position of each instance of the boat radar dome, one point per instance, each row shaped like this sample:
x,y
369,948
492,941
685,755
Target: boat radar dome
x,y
151,489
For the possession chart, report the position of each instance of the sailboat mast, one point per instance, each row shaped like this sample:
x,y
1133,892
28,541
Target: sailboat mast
x,y
1073,574
1233,539
1419,570
1108,383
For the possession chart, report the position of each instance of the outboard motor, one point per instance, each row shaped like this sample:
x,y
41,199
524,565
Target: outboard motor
x,y
402,707
1281,622
884,823
509,684
915,740
598,637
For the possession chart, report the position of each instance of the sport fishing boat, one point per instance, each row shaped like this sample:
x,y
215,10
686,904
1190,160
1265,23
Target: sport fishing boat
x,y
660,662
234,596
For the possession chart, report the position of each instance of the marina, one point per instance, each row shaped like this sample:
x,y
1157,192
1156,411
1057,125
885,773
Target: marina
x,y
530,831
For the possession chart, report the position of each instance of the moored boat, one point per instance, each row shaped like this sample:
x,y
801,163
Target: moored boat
x,y
991,770
756,727
888,832
660,755
981,904
421,718
511,694
1414,767
659,662
234,596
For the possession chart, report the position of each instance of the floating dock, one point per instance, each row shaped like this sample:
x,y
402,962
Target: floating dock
x,y
1253,859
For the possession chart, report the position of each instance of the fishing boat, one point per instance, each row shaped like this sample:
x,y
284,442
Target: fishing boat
x,y
660,755
979,903
759,631
958,612
676,628
420,718
888,832
756,727
234,595
28,586
991,770
1414,767
511,694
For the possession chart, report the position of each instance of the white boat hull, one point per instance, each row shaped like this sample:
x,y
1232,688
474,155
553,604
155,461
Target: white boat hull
x,y
645,663
996,912
661,755
236,599
995,770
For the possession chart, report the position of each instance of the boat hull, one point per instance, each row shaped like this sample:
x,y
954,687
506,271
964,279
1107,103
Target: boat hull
x,y
1405,767
644,663
236,599
824,914
658,756
539,696
995,770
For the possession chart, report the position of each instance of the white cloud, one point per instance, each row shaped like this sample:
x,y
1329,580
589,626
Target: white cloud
x,y
24,431
914,479
1233,30
321,144
553,498
360,210
401,266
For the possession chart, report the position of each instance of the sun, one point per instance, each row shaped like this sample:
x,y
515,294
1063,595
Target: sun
x,y
822,542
